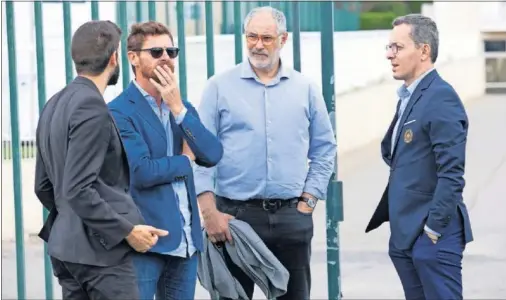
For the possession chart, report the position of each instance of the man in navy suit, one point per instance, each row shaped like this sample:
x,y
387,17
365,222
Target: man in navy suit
x,y
163,136
425,148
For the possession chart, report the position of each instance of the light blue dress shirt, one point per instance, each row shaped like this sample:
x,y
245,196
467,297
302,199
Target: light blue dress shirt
x,y
268,133
163,113
404,94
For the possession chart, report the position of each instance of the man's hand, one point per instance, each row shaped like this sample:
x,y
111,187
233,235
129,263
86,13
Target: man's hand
x,y
216,225
434,238
303,207
168,88
144,237
215,222
188,151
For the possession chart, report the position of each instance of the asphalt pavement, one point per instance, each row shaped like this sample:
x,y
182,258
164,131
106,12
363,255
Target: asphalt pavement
x,y
367,272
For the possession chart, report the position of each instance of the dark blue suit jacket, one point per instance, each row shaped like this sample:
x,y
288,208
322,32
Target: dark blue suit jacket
x,y
427,166
152,171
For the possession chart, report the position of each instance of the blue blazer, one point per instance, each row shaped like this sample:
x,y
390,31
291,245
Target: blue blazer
x,y
152,171
427,166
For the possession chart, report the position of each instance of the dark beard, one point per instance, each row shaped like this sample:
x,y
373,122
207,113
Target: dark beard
x,y
152,74
114,76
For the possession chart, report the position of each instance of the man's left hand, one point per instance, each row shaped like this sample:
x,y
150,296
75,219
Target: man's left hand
x,y
303,207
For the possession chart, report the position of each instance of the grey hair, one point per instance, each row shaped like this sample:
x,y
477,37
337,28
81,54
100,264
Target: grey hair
x,y
278,16
423,31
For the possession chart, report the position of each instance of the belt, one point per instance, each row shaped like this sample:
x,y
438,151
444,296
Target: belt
x,y
270,205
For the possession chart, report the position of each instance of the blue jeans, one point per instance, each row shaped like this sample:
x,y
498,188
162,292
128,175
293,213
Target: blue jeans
x,y
168,277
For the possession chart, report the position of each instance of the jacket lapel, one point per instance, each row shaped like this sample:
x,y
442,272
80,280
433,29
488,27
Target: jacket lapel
x,y
417,94
145,111
386,145
414,98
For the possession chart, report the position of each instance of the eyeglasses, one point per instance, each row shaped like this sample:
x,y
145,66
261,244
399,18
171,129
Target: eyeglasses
x,y
266,39
394,47
157,52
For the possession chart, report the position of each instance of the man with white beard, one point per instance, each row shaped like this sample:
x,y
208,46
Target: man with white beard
x,y
270,120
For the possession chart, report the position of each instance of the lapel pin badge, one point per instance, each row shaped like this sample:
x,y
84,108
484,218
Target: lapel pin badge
x,y
408,136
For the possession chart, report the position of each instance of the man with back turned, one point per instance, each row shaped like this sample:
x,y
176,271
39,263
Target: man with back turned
x,y
82,178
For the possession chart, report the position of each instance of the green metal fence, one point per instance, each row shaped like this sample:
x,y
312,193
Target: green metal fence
x,y
323,20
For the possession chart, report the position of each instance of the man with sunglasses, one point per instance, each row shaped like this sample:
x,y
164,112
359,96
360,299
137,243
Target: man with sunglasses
x,y
163,137
271,121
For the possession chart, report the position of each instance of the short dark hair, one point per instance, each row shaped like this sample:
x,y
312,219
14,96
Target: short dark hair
x,y
93,44
139,32
423,31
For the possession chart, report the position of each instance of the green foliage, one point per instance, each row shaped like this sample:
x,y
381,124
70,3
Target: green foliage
x,y
379,15
376,20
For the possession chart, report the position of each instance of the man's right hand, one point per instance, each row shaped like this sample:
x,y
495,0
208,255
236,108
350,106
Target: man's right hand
x,y
144,237
216,225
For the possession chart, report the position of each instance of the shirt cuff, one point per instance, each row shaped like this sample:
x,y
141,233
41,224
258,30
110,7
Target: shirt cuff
x,y
314,192
179,118
426,228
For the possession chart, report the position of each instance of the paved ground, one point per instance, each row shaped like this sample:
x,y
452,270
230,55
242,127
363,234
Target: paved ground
x,y
366,269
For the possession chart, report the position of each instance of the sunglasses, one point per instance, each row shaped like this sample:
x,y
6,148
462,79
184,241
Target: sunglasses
x,y
157,52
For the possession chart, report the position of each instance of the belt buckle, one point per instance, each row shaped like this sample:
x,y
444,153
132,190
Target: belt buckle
x,y
270,205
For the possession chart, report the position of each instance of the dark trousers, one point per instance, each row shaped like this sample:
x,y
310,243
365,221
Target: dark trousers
x,y
84,282
286,232
168,277
432,271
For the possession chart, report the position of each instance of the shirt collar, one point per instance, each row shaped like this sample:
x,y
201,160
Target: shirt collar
x,y
405,92
143,92
148,97
247,71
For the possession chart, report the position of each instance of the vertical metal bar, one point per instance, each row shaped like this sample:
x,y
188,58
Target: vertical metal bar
x,y
237,31
224,17
138,10
334,193
67,37
16,161
198,18
182,49
152,10
94,10
296,35
167,13
122,21
209,38
41,87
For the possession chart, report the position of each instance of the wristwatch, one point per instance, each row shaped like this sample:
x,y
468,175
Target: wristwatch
x,y
309,201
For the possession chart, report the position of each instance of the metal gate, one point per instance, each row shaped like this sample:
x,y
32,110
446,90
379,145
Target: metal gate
x,y
322,20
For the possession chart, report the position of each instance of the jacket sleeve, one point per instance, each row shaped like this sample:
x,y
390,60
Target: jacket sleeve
x,y
204,144
146,171
447,127
89,138
43,186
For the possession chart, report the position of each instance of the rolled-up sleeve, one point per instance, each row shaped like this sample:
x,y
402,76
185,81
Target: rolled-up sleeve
x,y
208,113
322,146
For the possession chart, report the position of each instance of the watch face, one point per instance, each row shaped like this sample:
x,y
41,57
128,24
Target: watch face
x,y
311,203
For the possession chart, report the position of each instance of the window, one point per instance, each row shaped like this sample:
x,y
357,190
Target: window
x,y
495,70
495,46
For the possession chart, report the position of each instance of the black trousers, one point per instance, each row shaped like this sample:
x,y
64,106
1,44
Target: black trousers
x,y
84,282
286,232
